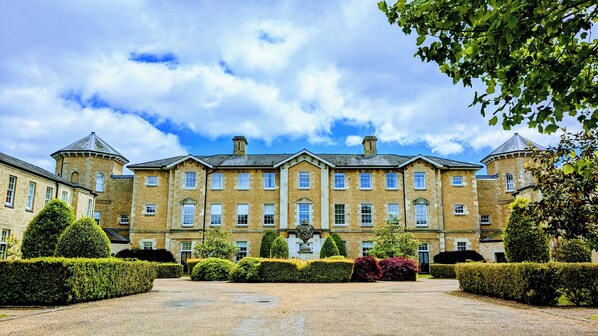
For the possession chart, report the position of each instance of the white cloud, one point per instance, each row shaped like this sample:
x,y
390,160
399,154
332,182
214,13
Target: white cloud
x,y
353,140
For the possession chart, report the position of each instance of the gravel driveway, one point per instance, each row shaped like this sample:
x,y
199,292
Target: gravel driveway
x,y
183,307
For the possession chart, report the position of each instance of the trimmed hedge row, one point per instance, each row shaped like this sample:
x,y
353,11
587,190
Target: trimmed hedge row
x,y
52,281
443,271
325,270
532,283
191,264
168,270
454,257
158,255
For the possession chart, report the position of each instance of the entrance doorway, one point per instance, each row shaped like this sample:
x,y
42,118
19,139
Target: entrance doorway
x,y
424,257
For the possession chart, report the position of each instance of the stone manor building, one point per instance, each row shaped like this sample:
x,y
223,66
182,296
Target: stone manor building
x,y
170,202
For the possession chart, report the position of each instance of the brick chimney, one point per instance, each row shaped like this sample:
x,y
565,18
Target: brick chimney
x,y
240,146
369,145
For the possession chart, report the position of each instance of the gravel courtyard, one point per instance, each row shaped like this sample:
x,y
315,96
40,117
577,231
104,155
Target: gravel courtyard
x,y
184,307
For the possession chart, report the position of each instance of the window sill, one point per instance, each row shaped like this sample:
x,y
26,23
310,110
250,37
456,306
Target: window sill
x,y
149,214
123,223
421,226
151,185
242,225
485,224
457,185
186,225
243,189
367,225
269,225
459,214
335,188
8,205
217,189
345,225
392,188
185,188
270,188
215,225
28,210
419,189
304,188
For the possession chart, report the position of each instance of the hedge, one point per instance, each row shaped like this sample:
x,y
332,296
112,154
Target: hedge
x,y
159,255
399,269
59,281
327,270
191,263
284,270
247,270
453,257
443,271
168,270
212,269
42,233
579,282
83,239
572,251
531,283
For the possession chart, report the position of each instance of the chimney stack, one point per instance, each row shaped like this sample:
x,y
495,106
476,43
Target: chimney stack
x,y
369,145
240,146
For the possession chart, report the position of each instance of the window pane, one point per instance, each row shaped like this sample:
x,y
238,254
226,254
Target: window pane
x,y
510,185
391,180
304,180
216,214
10,192
419,180
97,216
268,214
366,214
304,212
123,219
242,250
242,214
457,180
243,181
30,195
421,215
190,179
339,214
217,181
365,247
100,182
339,181
152,180
461,246
49,192
393,212
365,181
269,181
188,214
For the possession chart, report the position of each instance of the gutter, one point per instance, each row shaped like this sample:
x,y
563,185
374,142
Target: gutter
x,y
205,204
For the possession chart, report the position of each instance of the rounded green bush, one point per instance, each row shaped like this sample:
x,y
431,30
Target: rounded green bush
x,y
279,249
329,248
212,269
339,244
45,228
247,270
266,244
571,250
523,239
83,239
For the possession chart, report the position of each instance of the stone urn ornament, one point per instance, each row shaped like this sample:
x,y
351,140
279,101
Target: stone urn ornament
x,y
305,232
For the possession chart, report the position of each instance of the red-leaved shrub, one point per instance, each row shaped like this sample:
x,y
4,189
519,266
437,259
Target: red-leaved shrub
x,y
399,269
366,269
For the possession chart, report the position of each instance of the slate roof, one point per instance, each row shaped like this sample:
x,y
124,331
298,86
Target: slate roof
x,y
115,237
515,144
90,144
35,170
270,160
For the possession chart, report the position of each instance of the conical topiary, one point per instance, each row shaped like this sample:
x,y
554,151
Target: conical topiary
x,y
339,244
523,239
45,228
279,249
83,239
266,245
329,248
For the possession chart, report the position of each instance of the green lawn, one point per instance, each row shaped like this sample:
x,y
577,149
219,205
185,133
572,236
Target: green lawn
x,y
2,316
424,276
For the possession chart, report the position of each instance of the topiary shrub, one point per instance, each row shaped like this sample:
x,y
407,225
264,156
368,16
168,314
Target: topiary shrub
x,y
442,271
212,269
158,255
45,228
327,270
342,251
579,282
523,239
329,248
453,257
168,270
279,249
366,269
399,269
277,270
266,244
572,251
191,264
247,270
83,239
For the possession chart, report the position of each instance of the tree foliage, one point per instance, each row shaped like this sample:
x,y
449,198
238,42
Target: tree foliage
x,y
83,239
329,249
217,244
42,233
266,244
567,177
392,240
571,250
279,249
342,251
536,59
523,239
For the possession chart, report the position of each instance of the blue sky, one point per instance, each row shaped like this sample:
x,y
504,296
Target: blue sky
x,y
163,78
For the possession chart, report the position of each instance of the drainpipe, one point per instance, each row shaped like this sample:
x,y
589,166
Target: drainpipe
x,y
205,204
404,199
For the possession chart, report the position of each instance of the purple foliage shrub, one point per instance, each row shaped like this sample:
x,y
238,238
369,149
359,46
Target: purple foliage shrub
x,y
399,269
366,269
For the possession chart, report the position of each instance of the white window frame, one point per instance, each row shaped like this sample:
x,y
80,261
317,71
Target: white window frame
x,y
389,178
366,245
338,216
10,191
243,252
190,177
65,196
3,244
390,211
303,177
243,181
458,181
363,178
303,211
509,182
187,251
49,193
143,244
30,196
421,215
100,182
216,214
461,246
97,216
151,181
269,210
459,209
89,207
217,181
339,181
150,210
123,219
485,222
363,214
188,214
269,181
243,210
423,247
419,181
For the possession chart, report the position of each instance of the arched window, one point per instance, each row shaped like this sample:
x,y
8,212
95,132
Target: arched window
x,y
421,212
510,185
75,177
99,182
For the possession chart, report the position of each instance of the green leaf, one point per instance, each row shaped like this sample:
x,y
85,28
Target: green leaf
x,y
568,169
383,6
551,129
420,39
493,121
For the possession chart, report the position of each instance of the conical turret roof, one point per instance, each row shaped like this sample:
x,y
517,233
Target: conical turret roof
x,y
516,144
91,144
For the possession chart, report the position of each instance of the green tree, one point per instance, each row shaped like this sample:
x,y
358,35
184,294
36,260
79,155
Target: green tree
x,y
266,244
523,239
571,250
83,239
42,233
279,249
339,243
329,248
566,177
391,240
535,59
13,250
217,244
